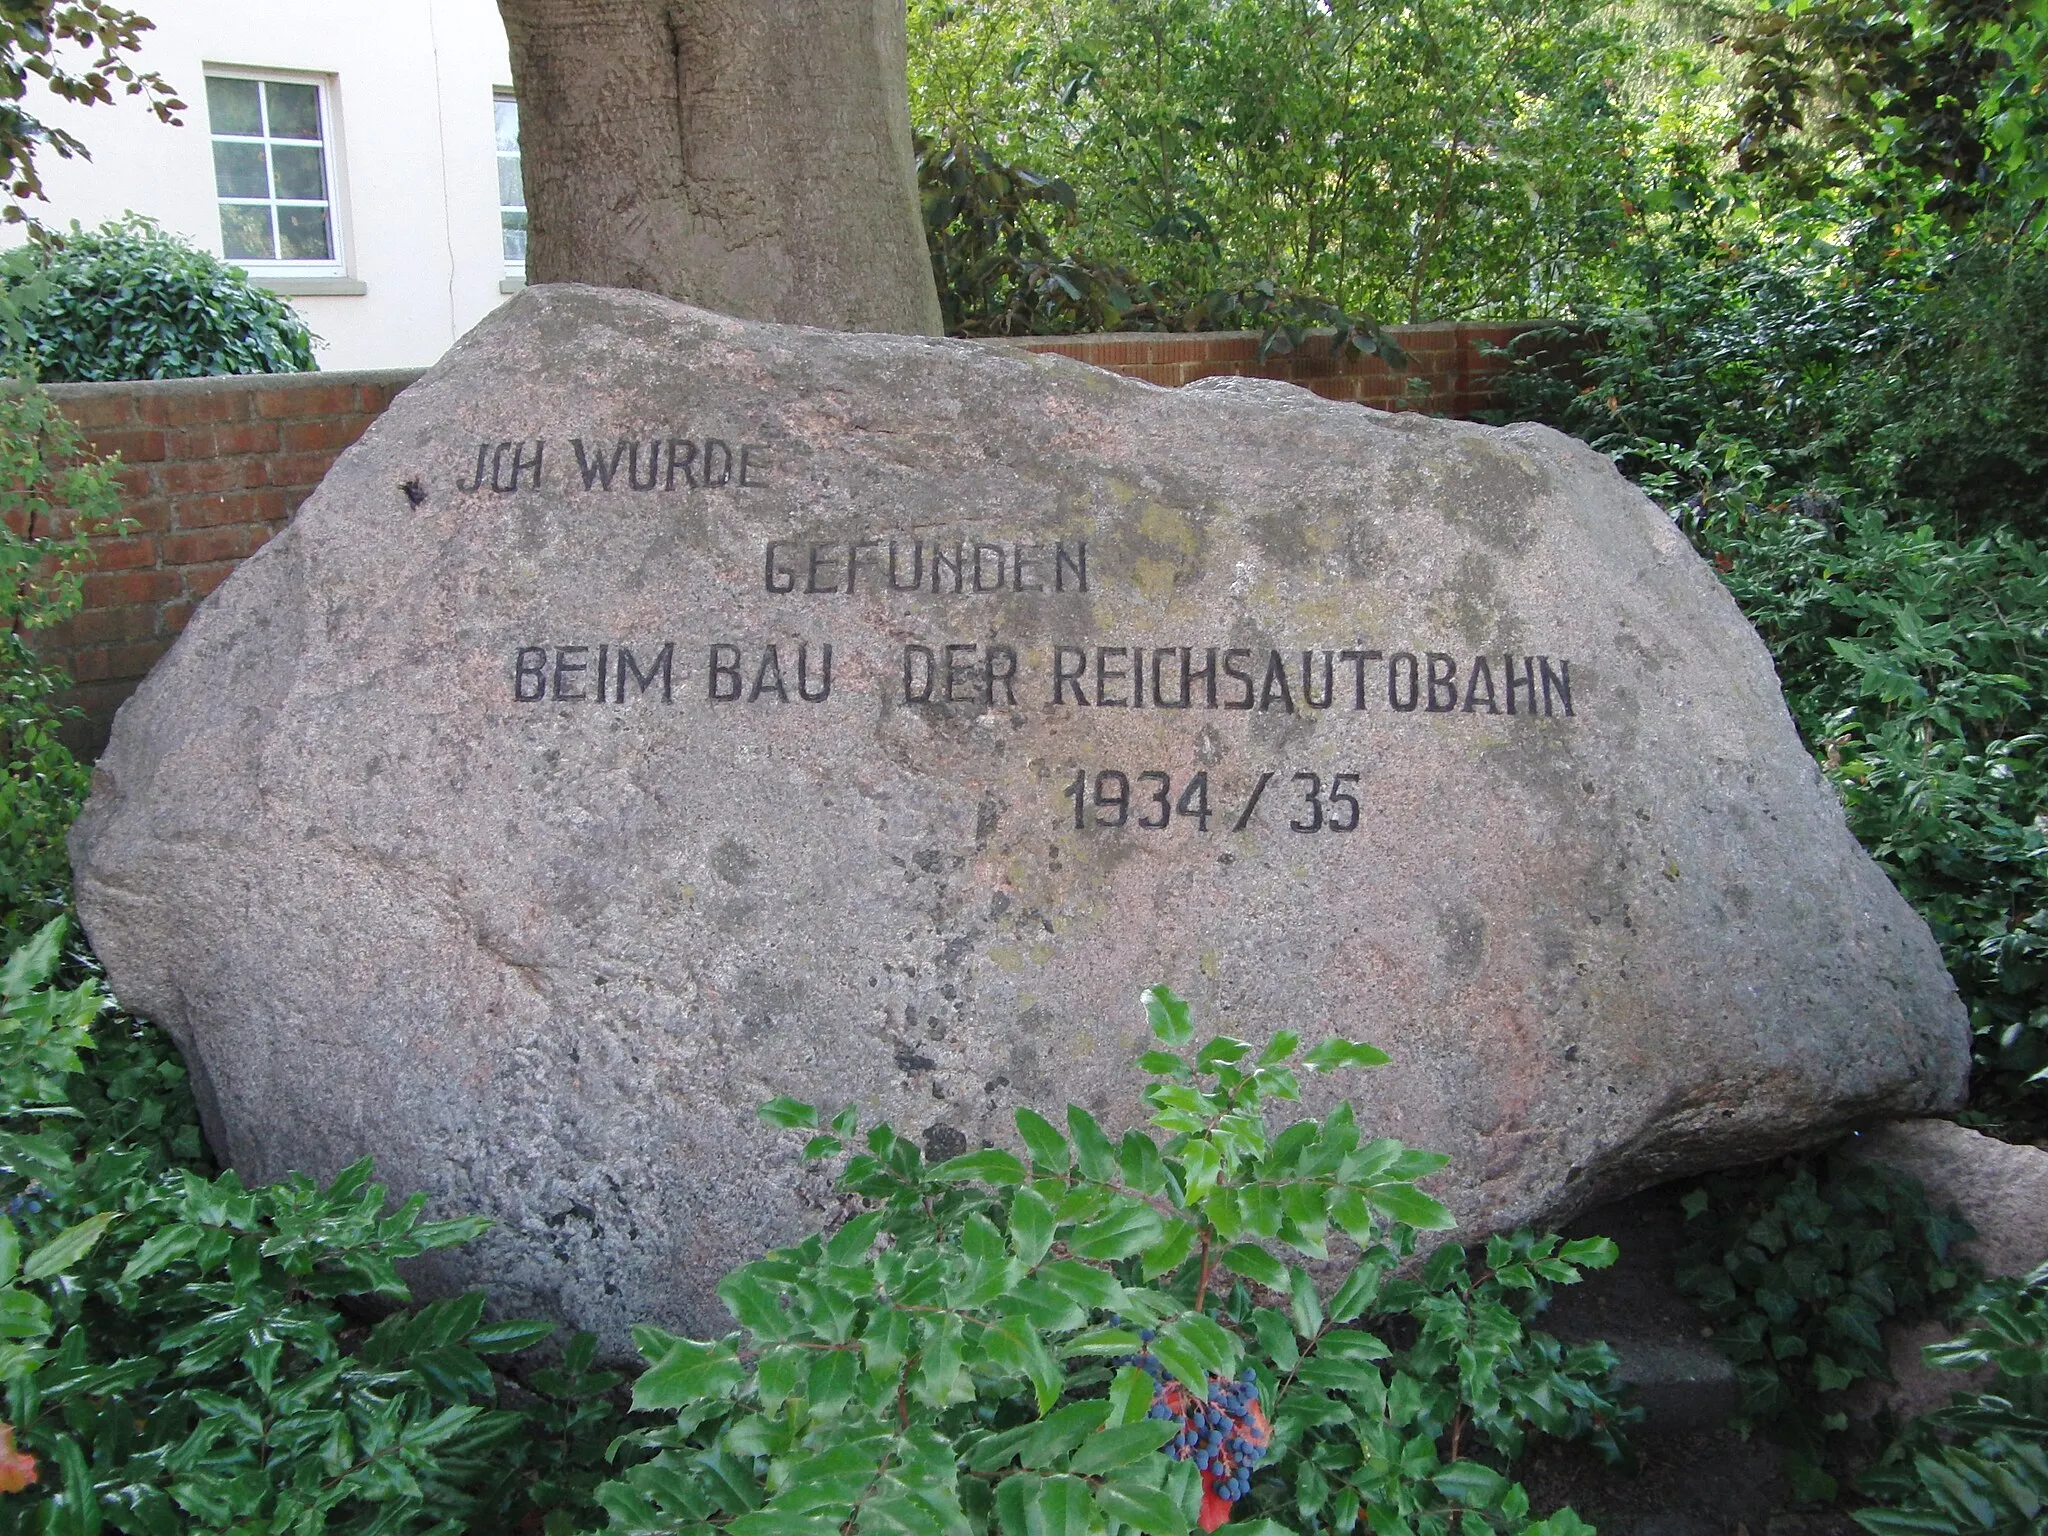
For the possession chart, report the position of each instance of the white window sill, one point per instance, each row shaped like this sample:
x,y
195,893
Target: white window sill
x,y
511,284
311,287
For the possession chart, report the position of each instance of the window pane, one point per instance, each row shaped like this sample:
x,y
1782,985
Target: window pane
x,y
515,234
299,171
508,126
245,232
231,106
510,193
238,170
294,110
302,234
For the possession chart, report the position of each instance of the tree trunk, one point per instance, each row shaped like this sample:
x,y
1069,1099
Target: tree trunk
x,y
748,156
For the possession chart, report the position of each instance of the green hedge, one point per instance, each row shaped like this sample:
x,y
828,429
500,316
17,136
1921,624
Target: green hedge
x,y
129,301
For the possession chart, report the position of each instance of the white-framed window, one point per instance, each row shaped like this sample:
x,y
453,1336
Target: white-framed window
x,y
511,190
273,171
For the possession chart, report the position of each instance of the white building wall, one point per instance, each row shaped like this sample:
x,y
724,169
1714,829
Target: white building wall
x,y
412,164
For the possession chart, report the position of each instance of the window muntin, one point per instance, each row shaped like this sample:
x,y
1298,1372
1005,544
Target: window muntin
x,y
271,172
511,190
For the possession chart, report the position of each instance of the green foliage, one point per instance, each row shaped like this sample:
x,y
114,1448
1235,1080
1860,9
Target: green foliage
x,y
175,1351
78,49
1931,105
129,301
1405,161
991,230
991,1343
52,499
1798,1268
1951,417
1980,1465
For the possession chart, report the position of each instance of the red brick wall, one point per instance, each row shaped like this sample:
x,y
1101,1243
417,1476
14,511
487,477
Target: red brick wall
x,y
213,467
1448,371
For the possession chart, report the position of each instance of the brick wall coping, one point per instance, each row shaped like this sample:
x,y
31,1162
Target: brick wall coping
x,y
234,384
1420,333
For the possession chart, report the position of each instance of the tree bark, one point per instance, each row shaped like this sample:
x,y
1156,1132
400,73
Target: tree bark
x,y
747,156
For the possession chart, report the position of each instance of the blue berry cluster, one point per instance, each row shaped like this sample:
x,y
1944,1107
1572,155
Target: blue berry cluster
x,y
28,1203
1225,1436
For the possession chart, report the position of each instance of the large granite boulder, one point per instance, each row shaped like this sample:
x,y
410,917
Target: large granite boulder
x,y
657,712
